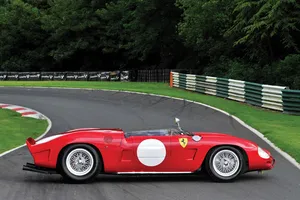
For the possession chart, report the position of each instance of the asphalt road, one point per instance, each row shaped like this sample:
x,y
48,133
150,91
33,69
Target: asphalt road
x,y
70,109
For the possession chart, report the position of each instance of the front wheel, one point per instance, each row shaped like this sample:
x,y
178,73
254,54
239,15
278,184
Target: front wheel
x,y
225,163
80,163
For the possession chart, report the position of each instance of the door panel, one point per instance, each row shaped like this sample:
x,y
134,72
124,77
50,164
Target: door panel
x,y
145,154
184,153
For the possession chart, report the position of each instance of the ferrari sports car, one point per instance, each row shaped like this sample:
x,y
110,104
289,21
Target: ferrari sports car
x,y
81,154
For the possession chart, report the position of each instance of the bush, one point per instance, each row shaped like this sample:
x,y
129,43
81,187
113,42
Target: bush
x,y
234,69
287,71
284,73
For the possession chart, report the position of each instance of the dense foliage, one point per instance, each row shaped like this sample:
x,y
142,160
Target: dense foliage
x,y
254,40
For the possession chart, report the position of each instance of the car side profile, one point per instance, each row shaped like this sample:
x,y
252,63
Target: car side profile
x,y
81,154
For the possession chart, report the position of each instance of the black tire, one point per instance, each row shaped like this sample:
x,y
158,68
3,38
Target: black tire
x,y
217,175
64,167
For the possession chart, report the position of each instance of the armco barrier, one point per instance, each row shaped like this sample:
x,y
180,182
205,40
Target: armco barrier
x,y
278,98
291,101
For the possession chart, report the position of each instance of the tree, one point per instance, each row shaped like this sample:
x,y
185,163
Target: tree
x,y
73,26
203,26
21,37
141,30
266,25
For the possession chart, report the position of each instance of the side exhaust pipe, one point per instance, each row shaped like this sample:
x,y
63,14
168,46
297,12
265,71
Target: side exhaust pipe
x,y
33,168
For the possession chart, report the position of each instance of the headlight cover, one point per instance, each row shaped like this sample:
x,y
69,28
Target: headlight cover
x,y
262,153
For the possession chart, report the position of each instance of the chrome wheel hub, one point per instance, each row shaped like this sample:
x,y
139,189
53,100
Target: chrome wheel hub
x,y
79,162
226,163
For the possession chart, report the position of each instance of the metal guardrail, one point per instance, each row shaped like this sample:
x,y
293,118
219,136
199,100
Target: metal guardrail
x,y
291,101
279,98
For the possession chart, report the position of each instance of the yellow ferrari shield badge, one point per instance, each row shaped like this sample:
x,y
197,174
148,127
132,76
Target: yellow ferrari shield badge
x,y
183,142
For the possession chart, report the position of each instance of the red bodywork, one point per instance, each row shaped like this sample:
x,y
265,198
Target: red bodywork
x,y
119,153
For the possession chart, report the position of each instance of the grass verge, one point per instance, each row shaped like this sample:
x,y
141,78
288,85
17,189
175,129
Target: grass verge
x,y
16,129
282,129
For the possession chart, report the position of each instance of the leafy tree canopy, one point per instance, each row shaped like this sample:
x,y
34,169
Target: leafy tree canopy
x,y
238,38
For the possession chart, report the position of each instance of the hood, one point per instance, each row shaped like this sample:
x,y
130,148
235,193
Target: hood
x,y
212,134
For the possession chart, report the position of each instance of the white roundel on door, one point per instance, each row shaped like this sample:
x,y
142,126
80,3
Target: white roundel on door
x,y
151,152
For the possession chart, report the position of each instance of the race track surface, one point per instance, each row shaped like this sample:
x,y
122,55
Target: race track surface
x,y
69,109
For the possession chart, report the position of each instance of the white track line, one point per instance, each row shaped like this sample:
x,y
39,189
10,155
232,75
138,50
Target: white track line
x,y
256,132
41,116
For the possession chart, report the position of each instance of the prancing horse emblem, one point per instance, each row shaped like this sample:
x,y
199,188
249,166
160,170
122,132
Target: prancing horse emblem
x,y
183,142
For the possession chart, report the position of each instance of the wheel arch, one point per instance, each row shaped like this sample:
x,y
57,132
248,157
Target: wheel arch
x,y
242,150
82,143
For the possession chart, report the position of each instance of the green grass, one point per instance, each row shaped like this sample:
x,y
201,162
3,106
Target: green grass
x,y
14,129
281,129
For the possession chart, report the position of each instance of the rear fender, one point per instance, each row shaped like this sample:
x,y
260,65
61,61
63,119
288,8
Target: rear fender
x,y
60,154
108,148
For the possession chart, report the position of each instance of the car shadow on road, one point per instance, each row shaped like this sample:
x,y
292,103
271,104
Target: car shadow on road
x,y
200,178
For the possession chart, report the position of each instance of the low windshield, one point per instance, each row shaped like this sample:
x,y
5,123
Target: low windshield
x,y
177,131
157,132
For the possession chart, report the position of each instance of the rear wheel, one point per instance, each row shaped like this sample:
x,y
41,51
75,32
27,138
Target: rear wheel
x,y
225,163
80,163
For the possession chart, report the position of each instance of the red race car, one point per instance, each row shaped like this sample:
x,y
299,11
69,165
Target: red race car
x,y
81,154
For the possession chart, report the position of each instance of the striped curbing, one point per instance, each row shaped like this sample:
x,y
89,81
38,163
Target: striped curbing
x,y
25,112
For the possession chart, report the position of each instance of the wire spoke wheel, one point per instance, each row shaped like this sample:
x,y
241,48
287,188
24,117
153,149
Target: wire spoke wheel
x,y
226,163
79,162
